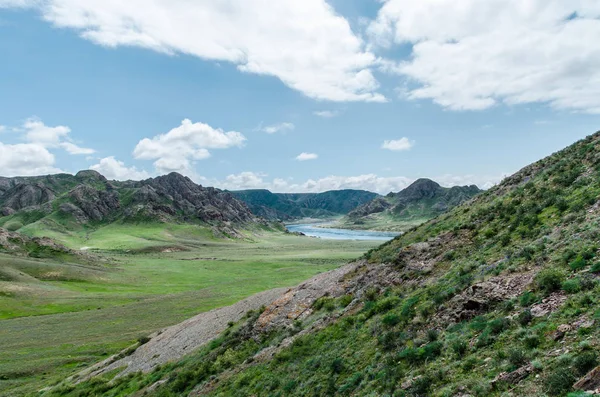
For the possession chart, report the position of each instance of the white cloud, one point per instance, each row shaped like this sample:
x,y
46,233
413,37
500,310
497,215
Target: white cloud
x,y
476,54
307,156
398,144
114,169
179,148
371,182
305,44
272,129
71,148
2,128
327,114
26,159
37,132
15,3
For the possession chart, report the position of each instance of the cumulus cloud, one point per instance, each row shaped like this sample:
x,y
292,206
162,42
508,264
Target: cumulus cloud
x,y
35,157
327,114
114,169
307,156
371,182
398,144
481,53
272,129
35,131
305,44
179,148
26,159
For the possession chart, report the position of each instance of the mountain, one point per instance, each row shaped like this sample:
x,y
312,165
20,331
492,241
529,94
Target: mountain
x,y
89,199
496,297
288,206
422,200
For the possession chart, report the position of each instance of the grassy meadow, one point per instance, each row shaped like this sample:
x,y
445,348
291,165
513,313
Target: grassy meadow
x,y
57,317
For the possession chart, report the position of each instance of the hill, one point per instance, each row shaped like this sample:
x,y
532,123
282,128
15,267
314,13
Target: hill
x,y
88,199
496,297
422,200
289,206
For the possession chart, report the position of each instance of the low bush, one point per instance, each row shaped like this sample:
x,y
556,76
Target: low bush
x,y
549,280
572,286
585,362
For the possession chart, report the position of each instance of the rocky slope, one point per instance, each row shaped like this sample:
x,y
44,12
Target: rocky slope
x,y
422,200
497,297
88,198
288,206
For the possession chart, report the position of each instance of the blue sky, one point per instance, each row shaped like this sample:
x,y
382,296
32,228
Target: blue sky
x,y
304,99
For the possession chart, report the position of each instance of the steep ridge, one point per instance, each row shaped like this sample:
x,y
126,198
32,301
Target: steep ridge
x,y
88,198
499,296
288,206
422,200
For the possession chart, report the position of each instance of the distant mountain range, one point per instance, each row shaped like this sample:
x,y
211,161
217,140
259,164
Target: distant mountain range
x,y
89,199
424,199
288,206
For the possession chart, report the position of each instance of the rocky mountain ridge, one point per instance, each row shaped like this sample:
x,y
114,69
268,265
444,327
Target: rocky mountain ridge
x,y
422,200
89,198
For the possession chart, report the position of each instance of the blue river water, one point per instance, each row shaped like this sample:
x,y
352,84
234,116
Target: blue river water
x,y
313,230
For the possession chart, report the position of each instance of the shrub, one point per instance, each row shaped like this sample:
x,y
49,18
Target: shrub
x,y
525,317
390,319
595,268
528,299
584,362
578,264
532,341
499,325
13,226
324,302
559,381
549,280
572,286
516,357
459,347
433,335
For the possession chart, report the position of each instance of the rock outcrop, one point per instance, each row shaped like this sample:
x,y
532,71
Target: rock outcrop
x,y
88,197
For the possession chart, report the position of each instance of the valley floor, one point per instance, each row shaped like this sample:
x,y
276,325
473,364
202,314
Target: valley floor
x,y
56,318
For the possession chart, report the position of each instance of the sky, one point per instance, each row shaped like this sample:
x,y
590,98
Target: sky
x,y
296,96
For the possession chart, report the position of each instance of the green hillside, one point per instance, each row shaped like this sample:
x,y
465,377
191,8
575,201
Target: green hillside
x,y
424,199
288,206
497,297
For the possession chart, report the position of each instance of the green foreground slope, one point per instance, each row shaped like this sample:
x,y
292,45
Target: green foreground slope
x,y
496,298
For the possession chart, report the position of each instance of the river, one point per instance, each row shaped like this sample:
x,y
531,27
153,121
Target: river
x,y
313,230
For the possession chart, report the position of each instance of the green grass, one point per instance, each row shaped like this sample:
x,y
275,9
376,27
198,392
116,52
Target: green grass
x,y
383,221
57,317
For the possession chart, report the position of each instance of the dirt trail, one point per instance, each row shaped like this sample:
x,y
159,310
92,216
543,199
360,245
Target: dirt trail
x,y
178,340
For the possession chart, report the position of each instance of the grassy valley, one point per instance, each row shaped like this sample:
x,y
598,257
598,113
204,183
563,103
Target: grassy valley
x,y
497,297
61,313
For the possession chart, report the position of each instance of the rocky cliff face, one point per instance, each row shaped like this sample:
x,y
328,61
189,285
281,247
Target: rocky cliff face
x,y
89,197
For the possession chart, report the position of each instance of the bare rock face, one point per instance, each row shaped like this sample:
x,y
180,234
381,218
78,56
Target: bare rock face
x,y
26,195
89,204
590,382
514,377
